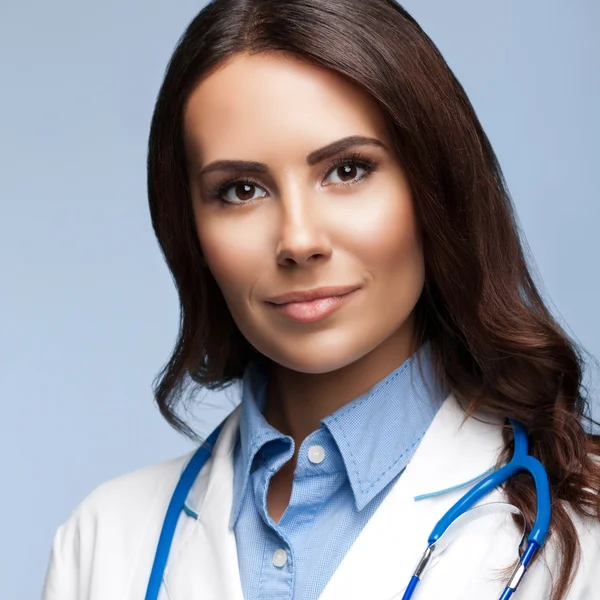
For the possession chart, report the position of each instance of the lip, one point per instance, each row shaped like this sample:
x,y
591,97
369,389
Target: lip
x,y
317,308
314,294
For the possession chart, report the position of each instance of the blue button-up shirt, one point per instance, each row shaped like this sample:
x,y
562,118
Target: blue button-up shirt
x,y
344,471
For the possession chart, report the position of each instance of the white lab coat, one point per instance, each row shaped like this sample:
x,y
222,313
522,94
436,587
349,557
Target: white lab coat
x,y
105,549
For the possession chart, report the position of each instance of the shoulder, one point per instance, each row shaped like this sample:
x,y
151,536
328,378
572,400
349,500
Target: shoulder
x,y
129,496
107,530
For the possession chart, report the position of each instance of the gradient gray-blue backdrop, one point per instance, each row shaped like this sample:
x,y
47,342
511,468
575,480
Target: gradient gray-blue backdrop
x,y
89,312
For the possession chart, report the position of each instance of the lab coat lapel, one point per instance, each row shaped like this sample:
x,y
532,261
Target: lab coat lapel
x,y
380,563
382,559
205,560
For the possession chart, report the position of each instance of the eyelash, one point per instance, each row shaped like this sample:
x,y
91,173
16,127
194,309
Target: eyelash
x,y
353,158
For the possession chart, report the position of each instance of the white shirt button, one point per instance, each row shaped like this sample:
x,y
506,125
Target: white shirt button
x,y
316,454
279,557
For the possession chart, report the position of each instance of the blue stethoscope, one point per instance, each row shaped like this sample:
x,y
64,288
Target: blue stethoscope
x,y
520,461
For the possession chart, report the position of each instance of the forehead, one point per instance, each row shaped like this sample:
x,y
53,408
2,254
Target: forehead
x,y
273,104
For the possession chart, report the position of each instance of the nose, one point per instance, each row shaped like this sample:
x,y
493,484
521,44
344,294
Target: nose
x,y
303,237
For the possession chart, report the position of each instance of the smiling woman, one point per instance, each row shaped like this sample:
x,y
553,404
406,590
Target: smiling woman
x,y
343,243
324,203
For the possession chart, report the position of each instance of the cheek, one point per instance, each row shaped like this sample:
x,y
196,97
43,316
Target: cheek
x,y
389,247
233,252
386,237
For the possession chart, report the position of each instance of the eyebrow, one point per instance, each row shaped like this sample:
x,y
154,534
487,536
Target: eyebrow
x,y
313,158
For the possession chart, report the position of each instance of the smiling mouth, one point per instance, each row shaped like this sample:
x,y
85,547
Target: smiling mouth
x,y
313,310
313,294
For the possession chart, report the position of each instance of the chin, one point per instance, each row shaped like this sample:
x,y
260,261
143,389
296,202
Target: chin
x,y
313,367
317,358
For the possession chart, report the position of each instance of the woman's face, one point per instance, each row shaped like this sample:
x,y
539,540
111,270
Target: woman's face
x,y
295,220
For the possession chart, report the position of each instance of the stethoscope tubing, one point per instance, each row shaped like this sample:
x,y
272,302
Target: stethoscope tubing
x,y
521,461
176,504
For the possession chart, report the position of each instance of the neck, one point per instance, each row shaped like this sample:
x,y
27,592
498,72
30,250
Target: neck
x,y
296,402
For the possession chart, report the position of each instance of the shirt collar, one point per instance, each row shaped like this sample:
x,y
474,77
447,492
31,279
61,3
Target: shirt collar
x,y
376,434
255,431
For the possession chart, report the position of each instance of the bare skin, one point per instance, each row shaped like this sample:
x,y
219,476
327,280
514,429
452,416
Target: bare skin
x,y
302,224
280,492
299,424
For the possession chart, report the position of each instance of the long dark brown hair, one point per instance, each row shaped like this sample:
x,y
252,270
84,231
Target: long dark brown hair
x,y
494,342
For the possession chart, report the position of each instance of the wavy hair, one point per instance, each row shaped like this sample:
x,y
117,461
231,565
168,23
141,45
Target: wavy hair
x,y
494,342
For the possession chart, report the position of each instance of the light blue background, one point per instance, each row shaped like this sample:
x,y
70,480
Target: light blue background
x,y
89,312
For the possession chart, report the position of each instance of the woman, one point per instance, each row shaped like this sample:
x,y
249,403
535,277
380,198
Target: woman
x,y
325,145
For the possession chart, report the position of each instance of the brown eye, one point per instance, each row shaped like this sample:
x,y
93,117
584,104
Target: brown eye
x,y
243,191
348,172
236,191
